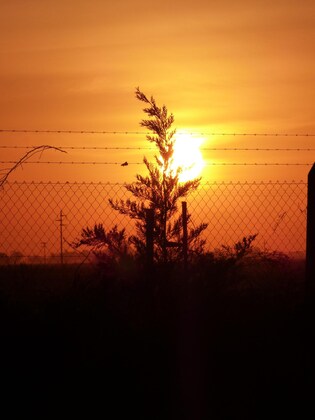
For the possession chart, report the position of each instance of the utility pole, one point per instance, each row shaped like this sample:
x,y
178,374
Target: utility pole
x,y
60,220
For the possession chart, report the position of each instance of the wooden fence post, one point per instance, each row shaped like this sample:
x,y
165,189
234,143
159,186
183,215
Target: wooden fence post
x,y
310,236
185,234
149,238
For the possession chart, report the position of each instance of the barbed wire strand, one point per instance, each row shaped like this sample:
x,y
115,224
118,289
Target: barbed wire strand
x,y
212,149
201,133
107,183
141,163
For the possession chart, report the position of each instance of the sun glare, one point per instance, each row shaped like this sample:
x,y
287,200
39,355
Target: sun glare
x,y
187,156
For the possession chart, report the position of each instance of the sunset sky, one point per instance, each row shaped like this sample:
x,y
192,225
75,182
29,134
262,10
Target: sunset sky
x,y
220,66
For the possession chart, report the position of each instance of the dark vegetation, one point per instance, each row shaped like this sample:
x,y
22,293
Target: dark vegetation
x,y
229,338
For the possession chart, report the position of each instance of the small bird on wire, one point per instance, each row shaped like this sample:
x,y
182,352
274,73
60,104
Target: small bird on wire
x,y
124,164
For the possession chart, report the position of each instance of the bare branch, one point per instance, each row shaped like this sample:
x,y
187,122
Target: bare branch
x,y
24,158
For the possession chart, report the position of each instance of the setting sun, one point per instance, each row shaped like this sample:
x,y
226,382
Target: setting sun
x,y
187,156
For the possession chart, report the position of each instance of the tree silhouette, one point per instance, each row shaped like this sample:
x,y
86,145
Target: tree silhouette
x,y
160,190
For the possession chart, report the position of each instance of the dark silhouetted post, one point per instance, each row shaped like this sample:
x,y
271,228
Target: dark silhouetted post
x,y
44,248
185,235
60,220
310,236
149,237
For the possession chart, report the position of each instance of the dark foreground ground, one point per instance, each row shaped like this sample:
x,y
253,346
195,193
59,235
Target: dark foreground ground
x,y
217,343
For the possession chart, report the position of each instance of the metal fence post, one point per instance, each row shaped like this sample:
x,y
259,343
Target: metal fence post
x,y
310,236
149,237
185,234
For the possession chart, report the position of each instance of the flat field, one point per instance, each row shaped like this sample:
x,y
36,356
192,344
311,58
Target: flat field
x,y
217,341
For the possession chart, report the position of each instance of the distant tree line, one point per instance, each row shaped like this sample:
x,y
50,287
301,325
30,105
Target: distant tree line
x,y
17,257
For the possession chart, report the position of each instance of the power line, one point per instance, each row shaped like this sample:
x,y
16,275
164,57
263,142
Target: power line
x,y
262,134
141,163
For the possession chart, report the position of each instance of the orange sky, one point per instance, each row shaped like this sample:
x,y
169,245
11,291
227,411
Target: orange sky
x,y
223,66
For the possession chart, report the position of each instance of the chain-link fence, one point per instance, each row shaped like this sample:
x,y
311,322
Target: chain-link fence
x,y
36,217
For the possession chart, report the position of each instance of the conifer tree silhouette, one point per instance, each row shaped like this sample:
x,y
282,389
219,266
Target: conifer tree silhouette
x,y
160,190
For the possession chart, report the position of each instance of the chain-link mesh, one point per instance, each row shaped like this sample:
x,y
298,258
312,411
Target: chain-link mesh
x,y
30,217
276,211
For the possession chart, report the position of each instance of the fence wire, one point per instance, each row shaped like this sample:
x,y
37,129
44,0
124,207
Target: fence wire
x,y
30,222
